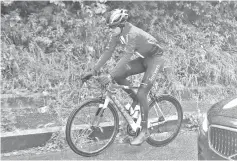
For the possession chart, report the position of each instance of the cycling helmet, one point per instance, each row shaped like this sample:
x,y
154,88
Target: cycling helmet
x,y
117,17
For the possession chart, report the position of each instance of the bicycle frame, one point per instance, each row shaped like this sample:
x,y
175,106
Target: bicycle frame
x,y
134,125
110,97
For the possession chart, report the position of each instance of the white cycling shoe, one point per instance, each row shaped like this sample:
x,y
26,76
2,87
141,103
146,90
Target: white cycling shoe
x,y
143,135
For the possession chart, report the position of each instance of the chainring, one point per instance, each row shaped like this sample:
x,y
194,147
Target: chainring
x,y
131,132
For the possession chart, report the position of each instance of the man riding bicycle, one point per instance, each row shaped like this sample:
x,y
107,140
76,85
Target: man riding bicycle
x,y
149,61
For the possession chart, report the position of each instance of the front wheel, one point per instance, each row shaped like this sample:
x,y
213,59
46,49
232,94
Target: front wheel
x,y
164,120
87,133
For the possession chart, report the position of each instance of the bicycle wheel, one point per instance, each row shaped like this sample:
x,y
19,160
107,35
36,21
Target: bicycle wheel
x,y
164,120
89,140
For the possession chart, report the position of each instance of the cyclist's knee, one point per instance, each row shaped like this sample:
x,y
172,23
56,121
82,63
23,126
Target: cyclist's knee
x,y
118,75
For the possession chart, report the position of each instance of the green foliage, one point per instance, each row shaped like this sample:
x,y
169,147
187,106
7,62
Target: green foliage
x,y
8,121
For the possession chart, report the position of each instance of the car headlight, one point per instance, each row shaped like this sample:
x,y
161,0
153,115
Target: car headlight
x,y
205,122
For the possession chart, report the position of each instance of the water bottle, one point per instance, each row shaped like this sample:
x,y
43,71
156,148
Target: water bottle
x,y
136,112
128,108
133,112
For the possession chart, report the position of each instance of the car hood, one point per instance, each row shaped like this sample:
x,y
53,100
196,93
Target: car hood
x,y
225,108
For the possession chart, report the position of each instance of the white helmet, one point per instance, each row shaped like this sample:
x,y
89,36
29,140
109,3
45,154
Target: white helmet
x,y
118,16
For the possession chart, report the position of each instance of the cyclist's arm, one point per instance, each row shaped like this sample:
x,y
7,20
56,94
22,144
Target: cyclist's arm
x,y
107,54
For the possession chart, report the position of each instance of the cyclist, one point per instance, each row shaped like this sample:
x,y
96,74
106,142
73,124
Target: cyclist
x,y
149,61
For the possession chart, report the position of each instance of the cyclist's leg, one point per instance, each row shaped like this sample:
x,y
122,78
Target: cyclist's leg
x,y
153,66
125,68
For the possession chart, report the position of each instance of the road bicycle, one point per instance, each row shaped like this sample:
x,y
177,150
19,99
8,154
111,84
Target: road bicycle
x,y
92,127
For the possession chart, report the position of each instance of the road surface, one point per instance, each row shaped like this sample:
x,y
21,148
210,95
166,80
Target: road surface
x,y
184,147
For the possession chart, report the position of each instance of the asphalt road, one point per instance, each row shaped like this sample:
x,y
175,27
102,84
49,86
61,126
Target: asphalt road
x,y
184,147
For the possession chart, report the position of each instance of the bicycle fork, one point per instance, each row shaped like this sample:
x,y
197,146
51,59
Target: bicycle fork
x,y
99,112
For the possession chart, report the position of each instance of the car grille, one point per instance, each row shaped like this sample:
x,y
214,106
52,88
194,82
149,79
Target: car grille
x,y
223,140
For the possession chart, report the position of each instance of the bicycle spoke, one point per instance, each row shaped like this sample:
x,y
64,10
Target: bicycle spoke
x,y
85,122
159,109
89,109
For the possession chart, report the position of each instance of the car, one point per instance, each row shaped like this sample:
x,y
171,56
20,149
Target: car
x,y
217,134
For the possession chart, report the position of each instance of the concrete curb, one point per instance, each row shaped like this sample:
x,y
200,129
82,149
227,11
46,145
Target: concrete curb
x,y
21,140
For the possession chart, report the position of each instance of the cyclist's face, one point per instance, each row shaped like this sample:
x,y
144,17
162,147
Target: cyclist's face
x,y
115,31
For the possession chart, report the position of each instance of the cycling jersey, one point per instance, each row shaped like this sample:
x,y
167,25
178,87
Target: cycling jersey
x,y
134,39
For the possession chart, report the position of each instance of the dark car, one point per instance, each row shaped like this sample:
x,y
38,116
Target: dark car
x,y
217,139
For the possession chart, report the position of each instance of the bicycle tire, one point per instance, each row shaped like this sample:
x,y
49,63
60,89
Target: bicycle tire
x,y
70,121
178,107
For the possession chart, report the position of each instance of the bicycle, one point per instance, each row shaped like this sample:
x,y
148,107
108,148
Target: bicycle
x,y
104,124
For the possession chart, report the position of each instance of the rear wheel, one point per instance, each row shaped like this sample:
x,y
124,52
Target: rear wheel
x,y
164,120
89,135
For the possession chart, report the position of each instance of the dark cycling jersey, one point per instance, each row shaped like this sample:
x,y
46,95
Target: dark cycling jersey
x,y
134,39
